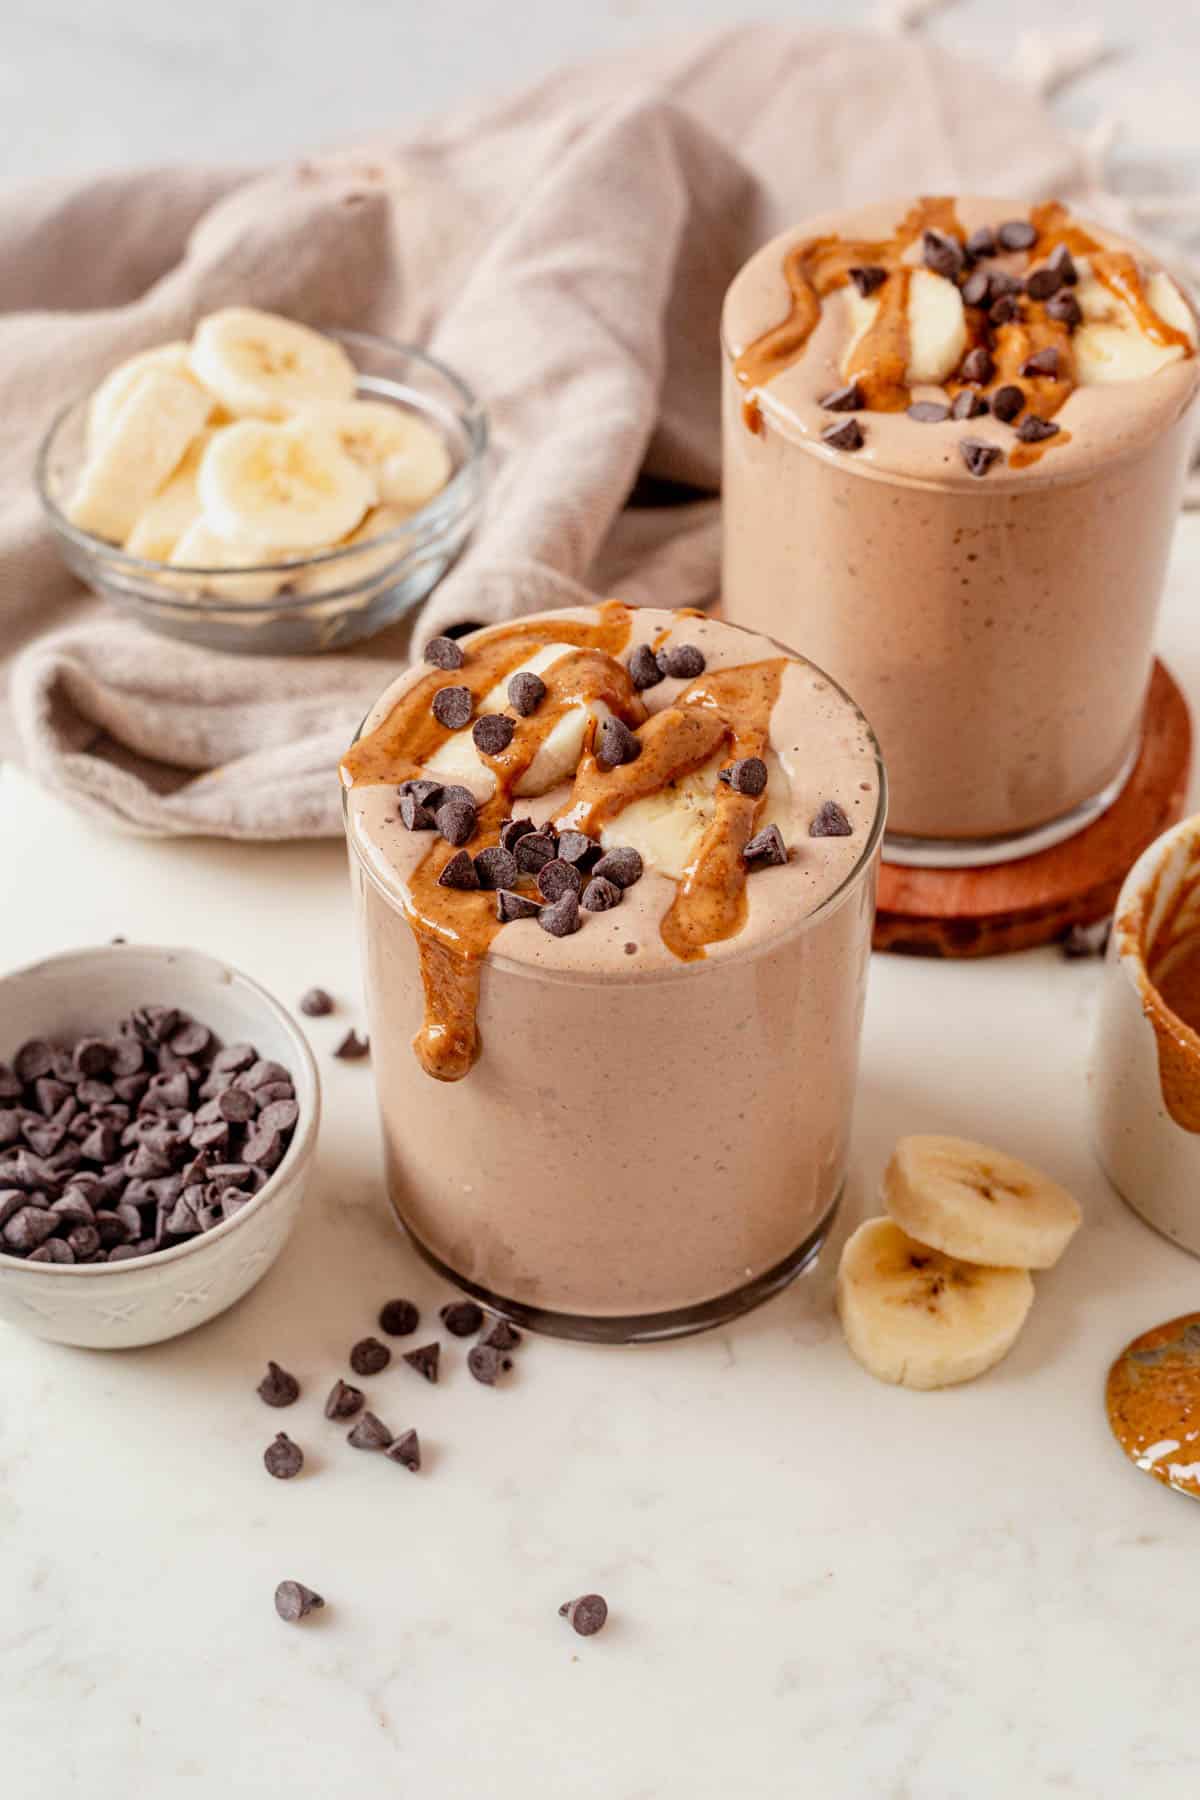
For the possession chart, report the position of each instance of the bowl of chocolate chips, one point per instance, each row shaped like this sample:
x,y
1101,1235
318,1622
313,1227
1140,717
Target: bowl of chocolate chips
x,y
158,1118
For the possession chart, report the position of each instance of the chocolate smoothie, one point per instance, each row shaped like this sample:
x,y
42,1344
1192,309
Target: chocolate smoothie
x,y
616,876
955,438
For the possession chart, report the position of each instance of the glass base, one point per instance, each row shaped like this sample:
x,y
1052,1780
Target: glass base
x,y
980,853
639,1328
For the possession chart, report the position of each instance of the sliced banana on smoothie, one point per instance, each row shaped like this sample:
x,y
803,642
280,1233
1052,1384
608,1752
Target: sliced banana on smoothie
x,y
558,755
267,367
978,1204
937,328
1110,345
148,436
406,457
919,1319
265,486
666,828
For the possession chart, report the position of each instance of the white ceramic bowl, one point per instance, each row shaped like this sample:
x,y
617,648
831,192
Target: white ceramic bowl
x,y
149,1298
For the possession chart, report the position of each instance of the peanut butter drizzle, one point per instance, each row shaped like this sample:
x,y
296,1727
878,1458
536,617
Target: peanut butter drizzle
x,y
880,359
1153,1403
814,269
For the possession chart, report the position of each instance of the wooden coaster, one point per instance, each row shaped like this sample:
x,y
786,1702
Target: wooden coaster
x,y
1015,905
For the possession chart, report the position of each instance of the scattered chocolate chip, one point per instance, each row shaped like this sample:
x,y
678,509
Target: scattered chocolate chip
x,y
765,849
943,254
867,277
746,776
513,830
526,691
459,872
978,455
369,1356
1033,430
556,877
1004,310
982,242
968,405
425,1360
414,816
369,1433
1063,264
399,1318
452,707
928,412
283,1459
644,671
294,1601
847,436
444,653
830,821
343,1401
492,733
600,895
1041,283
502,1336
406,1450
616,744
576,847
456,820
977,288
1007,402
587,1615
486,1364
534,851
1042,362
623,866
511,906
1016,234
1064,307
844,399
978,365
1086,940
462,1318
277,1387
495,868
562,918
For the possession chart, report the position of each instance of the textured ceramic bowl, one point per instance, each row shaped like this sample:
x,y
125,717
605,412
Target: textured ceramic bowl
x,y
149,1298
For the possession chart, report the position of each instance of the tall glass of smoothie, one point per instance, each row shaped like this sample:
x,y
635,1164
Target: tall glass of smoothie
x,y
615,871
955,438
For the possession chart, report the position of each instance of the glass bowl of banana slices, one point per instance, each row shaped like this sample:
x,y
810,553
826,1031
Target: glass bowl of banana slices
x,y
265,487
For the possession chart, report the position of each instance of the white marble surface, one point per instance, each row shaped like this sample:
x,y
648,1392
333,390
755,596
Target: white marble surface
x,y
819,1585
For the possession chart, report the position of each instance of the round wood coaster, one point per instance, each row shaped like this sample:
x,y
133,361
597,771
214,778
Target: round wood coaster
x,y
1015,905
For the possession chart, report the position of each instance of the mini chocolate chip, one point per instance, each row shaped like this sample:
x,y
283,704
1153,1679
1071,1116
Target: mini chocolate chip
x,y
414,816
232,1060
623,866
399,1318
424,792
456,820
452,707
511,906
562,918
844,399
1063,264
93,1056
54,1250
369,1356
526,691
502,1336
343,1401
867,277
1064,307
616,744
283,1459
277,1387
369,1433
644,671
460,872
746,776
1043,282
278,1116
462,1318
33,1059
534,851
977,288
1004,310
1042,362
425,1360
444,653
968,405
512,830
1016,234
982,242
846,436
492,733
830,821
600,895
556,877
235,1105
405,1450
293,1601
928,412
682,661
943,254
576,847
765,848
587,1615
978,365
84,1241
1035,431
978,455
486,1364
1086,940
495,868
191,1040
126,1252
1007,402
29,1228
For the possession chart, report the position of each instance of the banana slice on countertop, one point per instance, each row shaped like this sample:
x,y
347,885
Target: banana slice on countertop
x,y
978,1204
265,486
666,828
148,435
1110,345
937,328
201,548
407,458
118,384
267,367
173,509
920,1319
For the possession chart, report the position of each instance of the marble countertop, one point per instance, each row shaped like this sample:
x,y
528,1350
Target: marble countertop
x,y
818,1584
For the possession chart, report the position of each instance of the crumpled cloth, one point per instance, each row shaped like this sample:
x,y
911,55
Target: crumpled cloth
x,y
567,251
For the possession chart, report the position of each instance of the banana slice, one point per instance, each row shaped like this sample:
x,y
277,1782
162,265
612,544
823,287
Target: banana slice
x,y
920,1319
978,1204
406,457
149,433
1110,344
264,486
937,328
666,828
259,364
117,386
201,548
173,509
327,578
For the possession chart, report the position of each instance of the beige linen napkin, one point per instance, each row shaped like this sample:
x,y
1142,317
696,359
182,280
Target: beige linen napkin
x,y
567,251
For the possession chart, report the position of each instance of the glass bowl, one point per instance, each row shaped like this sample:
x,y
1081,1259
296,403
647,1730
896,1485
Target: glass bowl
x,y
323,601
